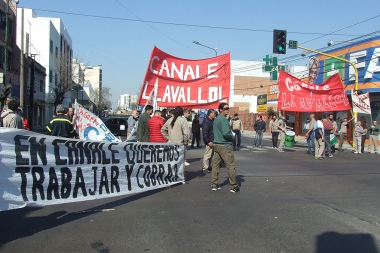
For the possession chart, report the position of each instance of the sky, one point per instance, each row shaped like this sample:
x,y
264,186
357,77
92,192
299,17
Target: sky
x,y
121,34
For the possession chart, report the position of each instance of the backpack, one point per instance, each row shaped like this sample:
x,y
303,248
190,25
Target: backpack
x,y
236,125
327,125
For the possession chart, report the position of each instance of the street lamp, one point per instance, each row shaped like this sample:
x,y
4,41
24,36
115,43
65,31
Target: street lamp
x,y
196,42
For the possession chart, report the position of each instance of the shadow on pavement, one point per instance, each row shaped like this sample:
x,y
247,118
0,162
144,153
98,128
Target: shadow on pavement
x,y
333,242
15,224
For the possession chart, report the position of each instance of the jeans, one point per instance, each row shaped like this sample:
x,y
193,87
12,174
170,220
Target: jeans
x,y
327,144
275,139
310,142
259,136
237,140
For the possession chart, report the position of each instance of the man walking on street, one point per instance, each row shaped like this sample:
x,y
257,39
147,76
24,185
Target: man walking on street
x,y
373,135
237,128
274,130
142,133
310,135
208,139
319,133
343,133
259,127
223,150
328,129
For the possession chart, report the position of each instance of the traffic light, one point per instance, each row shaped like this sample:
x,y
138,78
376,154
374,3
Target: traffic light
x,y
279,41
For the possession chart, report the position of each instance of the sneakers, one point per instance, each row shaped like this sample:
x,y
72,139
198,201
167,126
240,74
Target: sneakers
x,y
355,152
236,189
331,156
260,147
187,164
281,150
209,170
215,187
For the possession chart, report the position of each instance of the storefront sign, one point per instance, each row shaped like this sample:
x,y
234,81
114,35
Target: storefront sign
x,y
262,103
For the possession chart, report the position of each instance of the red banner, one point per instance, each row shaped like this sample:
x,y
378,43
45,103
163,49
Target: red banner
x,y
297,96
198,84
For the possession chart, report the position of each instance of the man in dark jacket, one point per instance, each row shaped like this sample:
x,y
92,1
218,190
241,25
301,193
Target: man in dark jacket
x,y
223,150
196,130
259,127
60,125
142,133
208,139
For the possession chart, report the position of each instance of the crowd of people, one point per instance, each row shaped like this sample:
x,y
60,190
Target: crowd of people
x,y
218,134
12,116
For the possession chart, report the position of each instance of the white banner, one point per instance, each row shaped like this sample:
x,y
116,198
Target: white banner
x,y
89,127
361,103
43,170
152,100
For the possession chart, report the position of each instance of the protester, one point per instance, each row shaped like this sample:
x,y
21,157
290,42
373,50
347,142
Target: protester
x,y
343,133
319,134
237,128
10,118
373,136
60,125
196,130
358,137
364,135
155,124
334,131
328,129
281,125
132,122
164,114
70,115
142,133
259,127
310,137
208,139
223,150
176,129
186,114
171,113
274,130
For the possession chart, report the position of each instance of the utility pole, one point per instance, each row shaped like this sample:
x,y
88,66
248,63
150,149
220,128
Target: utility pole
x,y
6,44
31,106
22,67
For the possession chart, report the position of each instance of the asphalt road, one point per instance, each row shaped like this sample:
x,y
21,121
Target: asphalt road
x,y
289,202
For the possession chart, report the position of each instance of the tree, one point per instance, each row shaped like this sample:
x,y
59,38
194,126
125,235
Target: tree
x,y
62,81
102,99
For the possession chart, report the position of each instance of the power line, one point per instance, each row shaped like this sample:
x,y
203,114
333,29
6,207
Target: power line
x,y
191,25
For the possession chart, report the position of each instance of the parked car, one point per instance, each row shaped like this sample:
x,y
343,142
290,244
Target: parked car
x,y
117,125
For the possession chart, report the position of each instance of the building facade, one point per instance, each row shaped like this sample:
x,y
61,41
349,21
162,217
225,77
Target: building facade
x,y
13,66
51,46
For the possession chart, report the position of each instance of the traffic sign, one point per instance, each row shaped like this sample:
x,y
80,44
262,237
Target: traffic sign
x,y
293,44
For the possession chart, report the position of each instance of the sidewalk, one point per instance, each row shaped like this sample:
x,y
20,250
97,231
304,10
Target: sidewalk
x,y
300,141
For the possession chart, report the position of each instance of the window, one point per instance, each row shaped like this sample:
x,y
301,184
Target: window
x,y
50,76
51,46
56,79
9,60
42,88
56,52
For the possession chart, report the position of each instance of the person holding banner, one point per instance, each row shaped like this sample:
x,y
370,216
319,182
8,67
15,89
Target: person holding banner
x,y
373,136
142,133
358,137
364,134
223,150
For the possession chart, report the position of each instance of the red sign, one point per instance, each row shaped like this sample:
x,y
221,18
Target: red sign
x,y
297,96
200,84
